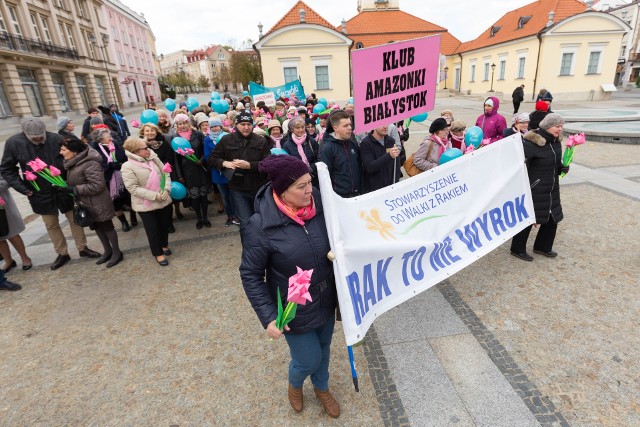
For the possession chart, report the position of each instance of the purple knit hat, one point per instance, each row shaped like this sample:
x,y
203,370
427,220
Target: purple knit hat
x,y
282,171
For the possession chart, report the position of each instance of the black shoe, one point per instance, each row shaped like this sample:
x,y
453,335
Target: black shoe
x,y
115,261
229,222
125,224
164,262
523,256
133,218
550,254
167,252
88,253
171,229
12,265
60,261
104,258
207,223
199,225
179,215
10,286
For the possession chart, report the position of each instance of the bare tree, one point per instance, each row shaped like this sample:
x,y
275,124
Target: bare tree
x,y
245,67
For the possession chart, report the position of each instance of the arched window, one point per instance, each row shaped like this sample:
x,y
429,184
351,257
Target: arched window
x,y
523,20
359,45
494,30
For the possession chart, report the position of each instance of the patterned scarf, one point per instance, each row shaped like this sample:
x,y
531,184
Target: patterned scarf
x,y
116,185
299,141
299,216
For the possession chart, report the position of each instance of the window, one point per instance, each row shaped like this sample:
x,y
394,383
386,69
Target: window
x,y
623,49
114,33
322,77
521,61
485,74
72,43
34,26
137,62
594,62
133,40
290,74
472,73
92,52
3,27
359,45
13,14
124,37
221,56
566,64
81,9
129,63
95,9
45,27
121,59
503,69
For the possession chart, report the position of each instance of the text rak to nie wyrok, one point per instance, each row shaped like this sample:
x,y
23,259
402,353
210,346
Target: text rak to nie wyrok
x,y
366,290
394,84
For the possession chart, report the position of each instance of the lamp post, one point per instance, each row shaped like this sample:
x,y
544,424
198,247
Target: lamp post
x,y
105,42
446,71
493,68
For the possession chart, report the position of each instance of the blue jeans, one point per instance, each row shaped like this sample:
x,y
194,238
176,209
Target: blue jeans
x,y
310,356
243,205
225,194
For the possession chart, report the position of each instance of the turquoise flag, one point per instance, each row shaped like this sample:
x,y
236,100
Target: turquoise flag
x,y
285,91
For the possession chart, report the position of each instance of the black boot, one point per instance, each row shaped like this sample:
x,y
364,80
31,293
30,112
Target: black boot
x,y
133,218
125,224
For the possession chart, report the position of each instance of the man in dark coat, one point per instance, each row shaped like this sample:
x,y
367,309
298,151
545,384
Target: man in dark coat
x,y
237,156
118,117
86,125
517,96
35,142
340,152
381,158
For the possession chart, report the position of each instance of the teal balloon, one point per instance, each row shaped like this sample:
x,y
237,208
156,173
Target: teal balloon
x,y
324,102
170,104
192,103
178,191
319,108
245,93
279,151
350,101
420,117
179,142
473,136
215,95
149,116
450,154
219,106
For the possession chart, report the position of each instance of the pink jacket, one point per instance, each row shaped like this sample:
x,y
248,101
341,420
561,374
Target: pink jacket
x,y
492,124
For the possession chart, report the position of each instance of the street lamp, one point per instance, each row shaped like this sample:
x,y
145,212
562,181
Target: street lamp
x,y
105,42
181,68
446,70
493,68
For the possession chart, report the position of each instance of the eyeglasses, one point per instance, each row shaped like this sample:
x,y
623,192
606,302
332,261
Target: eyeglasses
x,y
143,148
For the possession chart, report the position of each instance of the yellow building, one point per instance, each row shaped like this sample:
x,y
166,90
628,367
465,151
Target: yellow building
x,y
306,46
558,45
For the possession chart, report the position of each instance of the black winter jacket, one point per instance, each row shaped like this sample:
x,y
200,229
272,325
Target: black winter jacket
x,y
535,118
253,149
543,156
165,153
518,94
193,174
273,246
18,150
377,164
343,161
310,147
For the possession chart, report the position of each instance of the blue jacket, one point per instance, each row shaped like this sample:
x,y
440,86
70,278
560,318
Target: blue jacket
x,y
343,161
209,145
273,245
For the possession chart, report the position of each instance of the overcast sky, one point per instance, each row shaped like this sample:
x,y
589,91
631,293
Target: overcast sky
x,y
192,25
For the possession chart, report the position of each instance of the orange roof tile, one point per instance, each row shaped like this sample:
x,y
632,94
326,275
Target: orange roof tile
x,y
293,18
374,28
539,13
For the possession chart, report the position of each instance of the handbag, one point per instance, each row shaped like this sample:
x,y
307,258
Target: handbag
x,y
81,214
410,167
4,222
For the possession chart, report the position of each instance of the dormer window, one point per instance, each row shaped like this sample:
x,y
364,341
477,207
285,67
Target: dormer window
x,y
494,30
523,20
359,45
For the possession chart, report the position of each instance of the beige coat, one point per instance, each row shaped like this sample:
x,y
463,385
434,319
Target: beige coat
x,y
425,159
135,180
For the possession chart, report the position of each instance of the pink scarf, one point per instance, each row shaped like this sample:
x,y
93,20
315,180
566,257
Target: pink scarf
x,y
442,145
299,216
277,140
186,135
153,183
459,142
299,141
116,185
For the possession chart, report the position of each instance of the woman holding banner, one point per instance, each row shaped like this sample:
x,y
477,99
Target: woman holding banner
x,y
288,233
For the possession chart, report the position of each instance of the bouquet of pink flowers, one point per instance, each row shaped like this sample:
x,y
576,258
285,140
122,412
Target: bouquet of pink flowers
x,y
188,153
166,170
48,172
112,151
298,294
572,142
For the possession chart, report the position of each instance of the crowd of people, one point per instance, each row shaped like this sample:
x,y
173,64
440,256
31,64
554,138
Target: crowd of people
x,y
259,165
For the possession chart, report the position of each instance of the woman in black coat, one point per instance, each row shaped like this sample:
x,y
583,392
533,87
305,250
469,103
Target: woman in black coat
x,y
543,155
298,139
288,231
193,175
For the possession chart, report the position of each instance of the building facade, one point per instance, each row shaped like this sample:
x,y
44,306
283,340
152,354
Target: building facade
x,y
629,60
50,58
137,81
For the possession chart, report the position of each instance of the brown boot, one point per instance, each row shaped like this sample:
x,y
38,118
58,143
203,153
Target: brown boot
x,y
295,398
329,403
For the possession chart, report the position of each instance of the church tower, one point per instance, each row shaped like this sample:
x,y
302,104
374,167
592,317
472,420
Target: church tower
x,y
373,5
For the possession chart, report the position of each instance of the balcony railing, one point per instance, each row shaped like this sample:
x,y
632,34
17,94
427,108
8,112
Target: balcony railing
x,y
634,57
35,47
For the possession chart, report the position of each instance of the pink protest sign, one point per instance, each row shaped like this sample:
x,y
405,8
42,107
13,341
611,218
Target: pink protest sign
x,y
394,81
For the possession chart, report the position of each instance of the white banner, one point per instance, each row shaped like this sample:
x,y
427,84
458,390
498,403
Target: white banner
x,y
269,99
394,243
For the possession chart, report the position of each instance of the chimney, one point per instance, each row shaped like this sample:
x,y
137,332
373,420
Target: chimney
x,y
589,4
550,22
260,29
344,26
303,15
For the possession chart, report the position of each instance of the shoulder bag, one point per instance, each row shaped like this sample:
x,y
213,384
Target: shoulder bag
x,y
410,167
80,214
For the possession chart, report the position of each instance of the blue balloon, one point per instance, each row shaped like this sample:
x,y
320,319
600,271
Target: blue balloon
x,y
324,102
350,101
473,136
245,93
192,103
215,95
420,117
319,108
149,116
450,154
178,191
220,106
279,151
180,142
170,104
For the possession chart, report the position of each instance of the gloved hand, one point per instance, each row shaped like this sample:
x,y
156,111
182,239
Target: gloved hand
x,y
68,189
564,169
162,196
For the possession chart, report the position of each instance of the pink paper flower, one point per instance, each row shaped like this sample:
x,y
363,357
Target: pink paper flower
x,y
181,152
574,140
189,151
166,168
112,147
54,171
469,149
2,202
269,116
226,123
37,165
486,141
299,286
30,176
135,123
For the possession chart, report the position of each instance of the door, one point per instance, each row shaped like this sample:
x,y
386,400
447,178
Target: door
x,y
61,91
457,79
33,98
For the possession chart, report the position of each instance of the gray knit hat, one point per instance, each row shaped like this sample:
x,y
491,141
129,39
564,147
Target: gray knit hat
x,y
551,120
96,121
62,122
34,127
